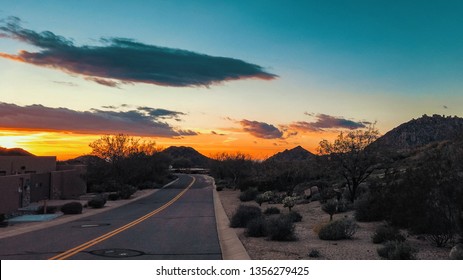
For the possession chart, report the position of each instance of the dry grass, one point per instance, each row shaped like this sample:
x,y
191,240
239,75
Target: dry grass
x,y
360,247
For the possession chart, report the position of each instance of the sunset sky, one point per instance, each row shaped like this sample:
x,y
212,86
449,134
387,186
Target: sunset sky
x,y
251,76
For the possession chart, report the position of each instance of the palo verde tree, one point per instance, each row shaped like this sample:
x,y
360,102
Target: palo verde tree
x,y
351,155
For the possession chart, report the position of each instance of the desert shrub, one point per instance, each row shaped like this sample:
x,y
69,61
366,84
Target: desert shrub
x,y
337,230
50,210
343,206
294,216
3,221
317,227
330,207
114,196
72,208
387,233
268,195
314,253
219,188
441,239
243,215
97,202
396,250
272,211
260,199
289,202
256,227
126,191
280,228
249,194
146,185
368,209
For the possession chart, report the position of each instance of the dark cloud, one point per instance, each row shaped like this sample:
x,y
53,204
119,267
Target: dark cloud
x,y
95,121
215,133
261,129
161,113
120,60
70,84
326,122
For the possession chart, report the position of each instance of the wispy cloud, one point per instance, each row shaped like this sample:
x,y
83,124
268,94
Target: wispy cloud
x,y
324,121
141,122
261,129
119,60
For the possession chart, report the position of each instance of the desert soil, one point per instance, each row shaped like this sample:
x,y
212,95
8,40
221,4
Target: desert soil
x,y
360,247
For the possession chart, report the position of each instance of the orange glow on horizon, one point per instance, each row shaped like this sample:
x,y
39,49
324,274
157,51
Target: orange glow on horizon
x,y
68,145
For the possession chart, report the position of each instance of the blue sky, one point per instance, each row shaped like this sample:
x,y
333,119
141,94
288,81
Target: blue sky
x,y
363,61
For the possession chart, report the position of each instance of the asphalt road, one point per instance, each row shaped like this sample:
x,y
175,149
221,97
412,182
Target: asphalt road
x,y
176,222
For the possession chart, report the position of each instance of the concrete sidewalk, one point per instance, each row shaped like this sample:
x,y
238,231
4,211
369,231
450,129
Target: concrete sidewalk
x,y
231,246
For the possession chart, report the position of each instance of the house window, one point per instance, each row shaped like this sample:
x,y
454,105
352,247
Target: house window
x,y
2,173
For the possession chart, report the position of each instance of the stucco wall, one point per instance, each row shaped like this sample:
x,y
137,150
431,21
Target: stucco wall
x,y
11,165
10,198
67,184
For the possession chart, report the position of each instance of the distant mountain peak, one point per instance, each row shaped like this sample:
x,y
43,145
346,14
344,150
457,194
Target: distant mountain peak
x,y
296,153
14,152
186,156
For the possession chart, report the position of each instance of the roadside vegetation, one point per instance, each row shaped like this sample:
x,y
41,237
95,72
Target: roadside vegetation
x,y
121,165
415,194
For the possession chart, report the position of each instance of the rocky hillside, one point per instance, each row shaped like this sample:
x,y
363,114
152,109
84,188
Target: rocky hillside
x,y
420,132
297,153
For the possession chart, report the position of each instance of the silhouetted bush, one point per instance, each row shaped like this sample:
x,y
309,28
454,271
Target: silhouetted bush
x,y
126,191
219,188
337,230
50,210
294,216
243,215
314,254
71,208
272,211
281,228
330,207
256,227
249,194
114,196
3,221
368,209
396,250
260,199
97,202
387,233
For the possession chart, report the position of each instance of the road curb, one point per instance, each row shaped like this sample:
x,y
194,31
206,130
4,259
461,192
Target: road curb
x,y
232,248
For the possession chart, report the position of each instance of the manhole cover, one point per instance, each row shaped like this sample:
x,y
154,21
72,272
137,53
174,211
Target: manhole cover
x,y
92,225
117,253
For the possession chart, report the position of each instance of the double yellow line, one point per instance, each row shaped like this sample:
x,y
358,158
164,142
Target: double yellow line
x,y
71,252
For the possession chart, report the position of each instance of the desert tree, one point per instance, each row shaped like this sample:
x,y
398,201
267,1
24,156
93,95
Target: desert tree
x,y
127,160
235,166
352,155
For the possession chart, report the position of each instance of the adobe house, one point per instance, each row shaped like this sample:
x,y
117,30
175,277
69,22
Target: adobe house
x,y
26,179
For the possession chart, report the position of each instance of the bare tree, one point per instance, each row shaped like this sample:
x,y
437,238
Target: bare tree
x,y
351,153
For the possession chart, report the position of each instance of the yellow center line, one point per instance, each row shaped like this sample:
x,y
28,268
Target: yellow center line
x,y
80,248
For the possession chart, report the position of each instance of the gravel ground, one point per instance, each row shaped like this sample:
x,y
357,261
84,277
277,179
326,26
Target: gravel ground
x,y
360,247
